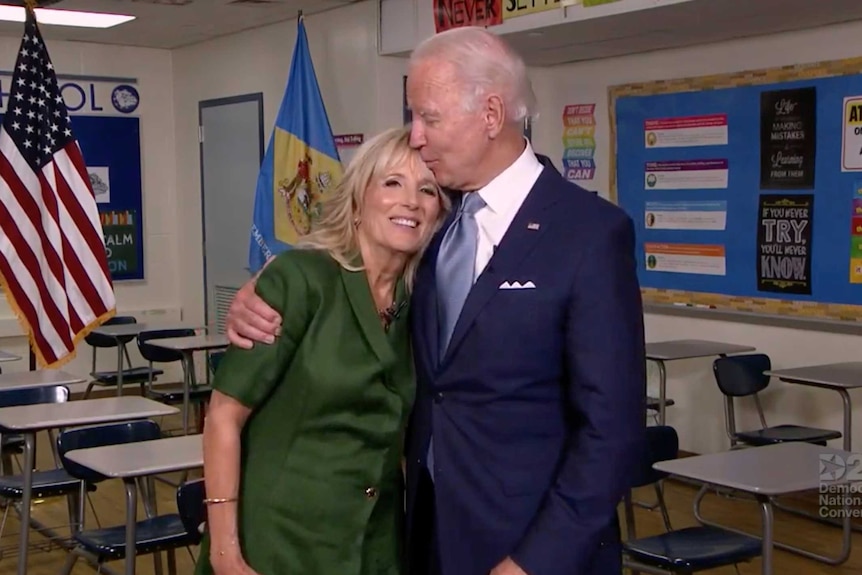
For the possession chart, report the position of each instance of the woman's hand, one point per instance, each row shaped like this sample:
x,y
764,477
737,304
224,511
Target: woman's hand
x,y
230,562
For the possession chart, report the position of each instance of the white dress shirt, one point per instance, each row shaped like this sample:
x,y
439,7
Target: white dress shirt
x,y
503,197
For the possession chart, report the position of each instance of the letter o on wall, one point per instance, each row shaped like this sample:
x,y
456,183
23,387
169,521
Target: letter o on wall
x,y
81,96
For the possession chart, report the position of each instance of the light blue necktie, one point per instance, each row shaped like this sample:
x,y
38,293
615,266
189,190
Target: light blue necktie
x,y
456,265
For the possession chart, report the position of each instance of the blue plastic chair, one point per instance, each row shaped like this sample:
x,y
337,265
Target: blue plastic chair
x,y
653,405
170,394
687,550
154,354
215,360
165,532
131,375
14,443
191,507
46,483
744,376
99,436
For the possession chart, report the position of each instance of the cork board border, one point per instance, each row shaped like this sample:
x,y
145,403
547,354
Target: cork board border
x,y
844,313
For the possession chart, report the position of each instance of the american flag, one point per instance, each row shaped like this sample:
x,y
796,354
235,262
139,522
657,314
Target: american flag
x,y
52,252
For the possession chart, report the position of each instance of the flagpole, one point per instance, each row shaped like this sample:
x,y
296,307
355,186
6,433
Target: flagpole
x,y
31,5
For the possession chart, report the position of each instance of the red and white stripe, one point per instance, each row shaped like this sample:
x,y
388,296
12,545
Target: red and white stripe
x,y
52,251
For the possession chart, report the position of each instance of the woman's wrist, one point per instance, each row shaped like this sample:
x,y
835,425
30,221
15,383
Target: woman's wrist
x,y
223,547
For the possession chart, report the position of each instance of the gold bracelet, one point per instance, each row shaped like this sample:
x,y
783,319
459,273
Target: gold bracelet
x,y
214,501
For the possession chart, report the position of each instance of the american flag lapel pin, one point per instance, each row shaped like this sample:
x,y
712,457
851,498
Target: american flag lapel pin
x,y
532,226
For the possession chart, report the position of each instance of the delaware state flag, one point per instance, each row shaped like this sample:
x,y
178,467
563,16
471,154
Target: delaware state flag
x,y
300,167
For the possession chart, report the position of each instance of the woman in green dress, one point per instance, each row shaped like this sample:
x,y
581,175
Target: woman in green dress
x,y
303,436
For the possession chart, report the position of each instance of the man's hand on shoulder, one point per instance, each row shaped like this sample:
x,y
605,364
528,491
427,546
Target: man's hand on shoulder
x,y
251,319
508,567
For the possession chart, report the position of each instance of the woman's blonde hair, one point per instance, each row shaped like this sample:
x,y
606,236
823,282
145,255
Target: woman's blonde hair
x,y
336,231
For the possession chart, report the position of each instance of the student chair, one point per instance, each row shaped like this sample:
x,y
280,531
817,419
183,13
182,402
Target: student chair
x,y
173,394
653,405
131,375
192,509
744,376
686,550
215,359
156,533
46,483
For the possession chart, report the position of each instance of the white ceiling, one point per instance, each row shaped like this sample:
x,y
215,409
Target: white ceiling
x,y
173,23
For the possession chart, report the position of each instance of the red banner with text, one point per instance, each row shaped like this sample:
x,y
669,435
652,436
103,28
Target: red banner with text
x,y
457,13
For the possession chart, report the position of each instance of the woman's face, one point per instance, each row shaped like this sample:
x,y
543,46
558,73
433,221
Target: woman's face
x,y
399,210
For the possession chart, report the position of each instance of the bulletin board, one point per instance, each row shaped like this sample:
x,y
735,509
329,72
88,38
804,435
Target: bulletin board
x,y
111,146
746,189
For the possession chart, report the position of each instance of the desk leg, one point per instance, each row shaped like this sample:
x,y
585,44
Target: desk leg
x,y
188,366
828,559
848,419
26,498
662,391
768,537
662,396
121,350
131,524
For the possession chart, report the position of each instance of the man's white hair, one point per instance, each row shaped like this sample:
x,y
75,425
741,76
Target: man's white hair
x,y
484,63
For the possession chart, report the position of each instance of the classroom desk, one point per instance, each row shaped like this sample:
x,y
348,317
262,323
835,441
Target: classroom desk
x,y
6,356
764,472
664,351
130,461
30,419
187,346
117,331
839,377
39,378
34,379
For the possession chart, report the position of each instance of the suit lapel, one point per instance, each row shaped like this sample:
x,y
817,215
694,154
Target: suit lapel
x,y
529,224
362,303
424,312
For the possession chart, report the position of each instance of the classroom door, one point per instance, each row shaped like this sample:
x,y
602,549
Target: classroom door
x,y
231,144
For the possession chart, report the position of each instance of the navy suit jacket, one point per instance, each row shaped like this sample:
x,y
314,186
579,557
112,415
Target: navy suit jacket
x,y
538,406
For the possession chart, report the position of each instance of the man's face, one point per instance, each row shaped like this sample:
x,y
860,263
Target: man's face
x,y
451,141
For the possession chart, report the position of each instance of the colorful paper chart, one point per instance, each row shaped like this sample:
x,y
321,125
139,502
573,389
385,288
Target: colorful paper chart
x,y
579,142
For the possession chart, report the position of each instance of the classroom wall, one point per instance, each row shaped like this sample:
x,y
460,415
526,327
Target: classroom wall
x,y
156,297
698,413
361,92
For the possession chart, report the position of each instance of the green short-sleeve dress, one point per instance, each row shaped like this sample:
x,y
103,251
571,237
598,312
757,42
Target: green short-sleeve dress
x,y
321,482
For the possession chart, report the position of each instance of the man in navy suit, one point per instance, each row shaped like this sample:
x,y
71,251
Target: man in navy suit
x,y
528,336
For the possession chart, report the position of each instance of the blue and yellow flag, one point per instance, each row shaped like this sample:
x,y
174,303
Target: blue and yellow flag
x,y
301,163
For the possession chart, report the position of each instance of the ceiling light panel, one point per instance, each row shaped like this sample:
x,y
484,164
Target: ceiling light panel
x,y
51,17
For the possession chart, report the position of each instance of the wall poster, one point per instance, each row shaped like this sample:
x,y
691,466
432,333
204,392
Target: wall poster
x,y
788,138
784,243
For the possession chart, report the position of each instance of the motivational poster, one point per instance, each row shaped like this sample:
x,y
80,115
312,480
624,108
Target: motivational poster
x,y
784,243
788,135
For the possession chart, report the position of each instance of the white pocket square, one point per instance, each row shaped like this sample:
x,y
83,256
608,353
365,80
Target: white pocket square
x,y
518,285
